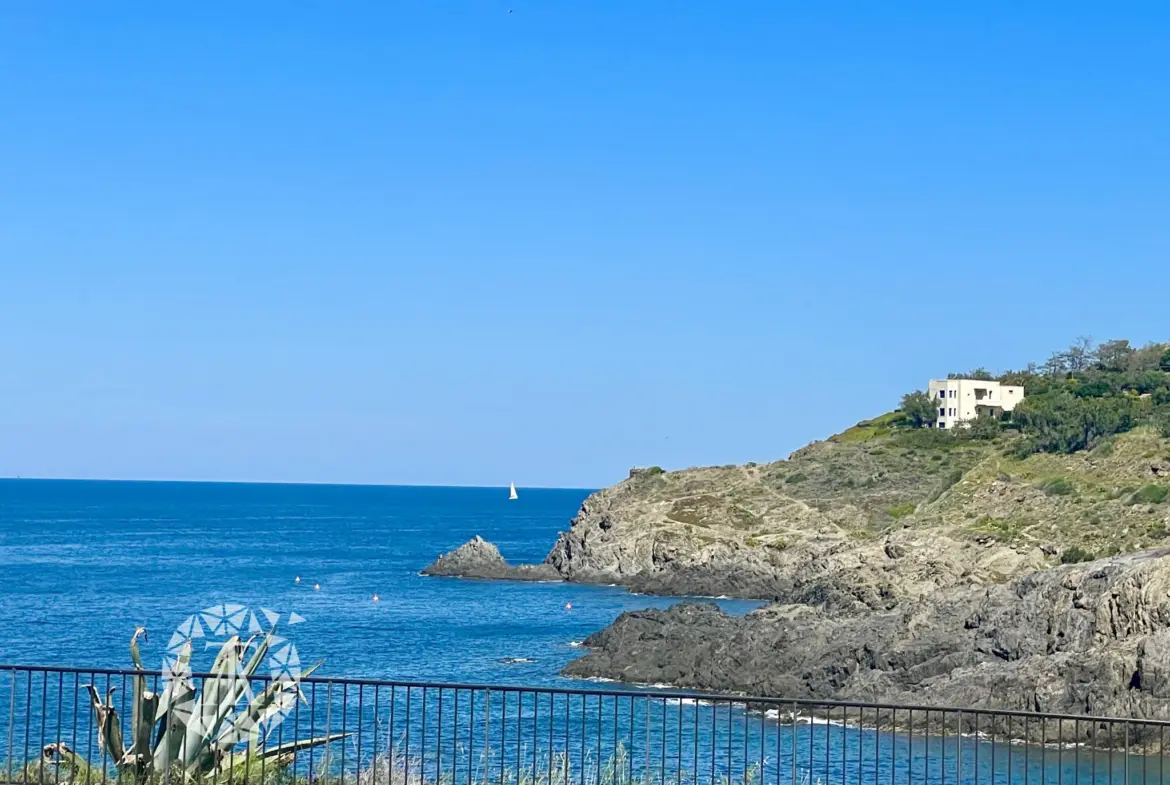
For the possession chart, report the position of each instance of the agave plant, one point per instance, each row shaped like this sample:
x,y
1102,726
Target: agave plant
x,y
192,735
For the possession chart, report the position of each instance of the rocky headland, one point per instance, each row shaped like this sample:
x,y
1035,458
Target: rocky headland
x,y
866,520
901,565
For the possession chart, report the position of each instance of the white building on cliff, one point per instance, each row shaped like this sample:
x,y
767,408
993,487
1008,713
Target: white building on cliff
x,y
965,399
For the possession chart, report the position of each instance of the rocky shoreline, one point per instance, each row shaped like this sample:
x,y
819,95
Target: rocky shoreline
x,y
1091,638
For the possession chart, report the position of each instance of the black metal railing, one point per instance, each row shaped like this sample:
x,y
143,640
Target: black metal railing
x,y
451,734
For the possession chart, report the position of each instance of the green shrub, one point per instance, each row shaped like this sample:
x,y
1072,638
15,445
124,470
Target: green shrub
x,y
1058,486
1097,388
1060,422
1150,494
1075,555
795,478
981,428
929,438
1105,448
1162,423
902,510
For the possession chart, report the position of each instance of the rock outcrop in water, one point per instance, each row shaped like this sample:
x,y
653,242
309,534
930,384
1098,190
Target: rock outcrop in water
x,y
478,558
1091,638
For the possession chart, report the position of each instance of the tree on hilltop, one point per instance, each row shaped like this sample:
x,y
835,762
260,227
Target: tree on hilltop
x,y
918,409
1114,355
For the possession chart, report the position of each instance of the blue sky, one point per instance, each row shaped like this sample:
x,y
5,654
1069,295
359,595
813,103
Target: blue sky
x,y
444,243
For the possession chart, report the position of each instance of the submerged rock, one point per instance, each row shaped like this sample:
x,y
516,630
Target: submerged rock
x,y
478,558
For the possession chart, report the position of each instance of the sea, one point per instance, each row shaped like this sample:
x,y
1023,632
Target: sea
x,y
337,568
82,563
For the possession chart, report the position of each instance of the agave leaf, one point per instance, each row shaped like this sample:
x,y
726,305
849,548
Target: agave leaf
x,y
260,653
223,681
302,744
174,712
145,712
279,696
220,693
144,708
134,654
304,675
79,768
109,727
179,683
172,729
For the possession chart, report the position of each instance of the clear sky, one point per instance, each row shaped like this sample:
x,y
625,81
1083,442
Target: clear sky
x,y
438,242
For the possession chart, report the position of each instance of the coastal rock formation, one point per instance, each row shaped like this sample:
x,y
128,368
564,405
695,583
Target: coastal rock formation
x,y
1090,638
730,531
868,519
478,558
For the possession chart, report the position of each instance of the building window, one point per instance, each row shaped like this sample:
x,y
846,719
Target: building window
x,y
952,393
942,424
942,412
942,393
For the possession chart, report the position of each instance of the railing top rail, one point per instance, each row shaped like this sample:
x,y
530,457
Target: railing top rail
x,y
633,691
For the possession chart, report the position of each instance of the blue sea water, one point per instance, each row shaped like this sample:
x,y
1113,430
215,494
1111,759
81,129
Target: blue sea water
x,y
83,562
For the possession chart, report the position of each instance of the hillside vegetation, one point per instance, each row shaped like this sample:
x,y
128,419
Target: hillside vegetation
x,y
1076,398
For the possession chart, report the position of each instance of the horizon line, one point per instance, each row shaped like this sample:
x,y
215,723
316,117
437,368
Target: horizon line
x,y
15,478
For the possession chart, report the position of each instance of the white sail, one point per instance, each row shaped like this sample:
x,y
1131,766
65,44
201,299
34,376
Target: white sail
x,y
512,491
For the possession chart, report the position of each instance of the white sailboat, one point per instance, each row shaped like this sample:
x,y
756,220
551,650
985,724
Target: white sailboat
x,y
512,492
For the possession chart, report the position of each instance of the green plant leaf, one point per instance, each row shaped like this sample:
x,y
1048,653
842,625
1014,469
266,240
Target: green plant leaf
x,y
303,744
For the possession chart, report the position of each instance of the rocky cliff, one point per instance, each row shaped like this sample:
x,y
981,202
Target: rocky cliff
x,y
904,567
1091,638
870,518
